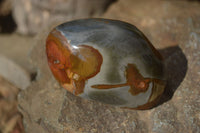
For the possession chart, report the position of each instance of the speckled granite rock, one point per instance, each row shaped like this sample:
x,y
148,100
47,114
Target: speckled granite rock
x,y
173,27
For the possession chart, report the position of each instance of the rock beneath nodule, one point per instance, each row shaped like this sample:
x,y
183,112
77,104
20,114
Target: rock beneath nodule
x,y
170,26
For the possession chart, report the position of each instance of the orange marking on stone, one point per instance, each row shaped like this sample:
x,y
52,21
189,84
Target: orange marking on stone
x,y
79,86
71,66
104,86
54,54
86,62
141,85
135,80
57,57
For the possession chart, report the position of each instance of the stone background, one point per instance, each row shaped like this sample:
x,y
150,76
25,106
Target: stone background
x,y
172,26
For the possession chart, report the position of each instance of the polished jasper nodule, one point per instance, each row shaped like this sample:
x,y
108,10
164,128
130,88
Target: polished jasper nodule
x,y
106,60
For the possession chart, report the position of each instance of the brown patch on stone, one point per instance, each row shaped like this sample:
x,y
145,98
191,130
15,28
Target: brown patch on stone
x,y
139,84
135,80
86,61
58,57
71,66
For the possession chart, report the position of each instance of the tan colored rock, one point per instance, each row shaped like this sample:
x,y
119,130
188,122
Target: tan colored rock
x,y
14,73
17,48
32,15
11,119
173,27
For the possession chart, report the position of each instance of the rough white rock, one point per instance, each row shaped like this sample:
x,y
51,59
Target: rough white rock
x,y
14,73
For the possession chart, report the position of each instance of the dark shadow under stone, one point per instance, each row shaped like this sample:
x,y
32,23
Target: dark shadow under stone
x,y
176,66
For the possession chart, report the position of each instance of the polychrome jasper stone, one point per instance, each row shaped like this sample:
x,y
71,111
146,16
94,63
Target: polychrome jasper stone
x,y
106,60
